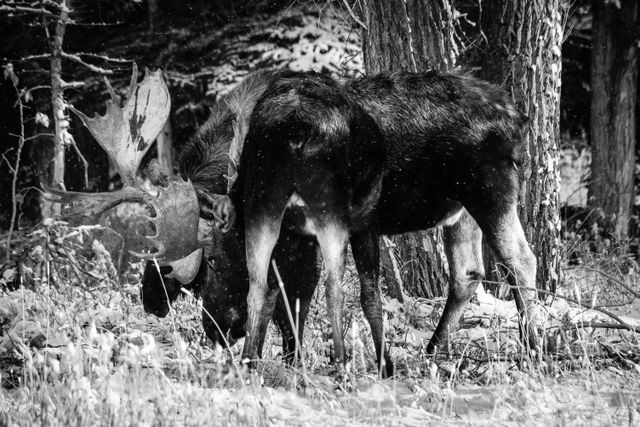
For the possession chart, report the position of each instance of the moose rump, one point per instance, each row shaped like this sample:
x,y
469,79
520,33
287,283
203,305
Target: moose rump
x,y
311,151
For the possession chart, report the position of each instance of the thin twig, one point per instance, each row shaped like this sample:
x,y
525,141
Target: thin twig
x,y
604,325
85,164
104,57
353,14
289,314
31,89
615,280
4,158
72,85
32,57
27,10
16,169
33,136
596,308
91,67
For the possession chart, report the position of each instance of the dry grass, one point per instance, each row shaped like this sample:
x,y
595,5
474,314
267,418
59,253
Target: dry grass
x,y
83,352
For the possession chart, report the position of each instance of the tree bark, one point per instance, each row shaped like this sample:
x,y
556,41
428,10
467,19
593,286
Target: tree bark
x,y
152,9
412,35
614,76
58,105
523,54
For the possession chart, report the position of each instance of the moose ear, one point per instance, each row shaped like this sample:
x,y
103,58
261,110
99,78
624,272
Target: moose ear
x,y
219,209
127,132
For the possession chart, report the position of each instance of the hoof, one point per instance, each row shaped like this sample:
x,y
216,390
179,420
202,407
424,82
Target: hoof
x,y
388,370
535,325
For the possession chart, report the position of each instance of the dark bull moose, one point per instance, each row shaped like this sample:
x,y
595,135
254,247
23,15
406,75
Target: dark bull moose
x,y
324,164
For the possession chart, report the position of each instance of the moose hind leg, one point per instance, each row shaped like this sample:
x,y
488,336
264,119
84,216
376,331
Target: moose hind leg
x,y
296,258
463,247
261,237
333,237
367,258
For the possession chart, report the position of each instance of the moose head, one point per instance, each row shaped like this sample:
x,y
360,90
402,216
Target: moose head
x,y
126,132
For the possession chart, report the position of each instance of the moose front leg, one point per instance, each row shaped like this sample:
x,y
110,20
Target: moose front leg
x,y
217,208
507,239
367,258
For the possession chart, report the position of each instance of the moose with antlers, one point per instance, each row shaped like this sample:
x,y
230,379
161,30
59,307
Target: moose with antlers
x,y
324,164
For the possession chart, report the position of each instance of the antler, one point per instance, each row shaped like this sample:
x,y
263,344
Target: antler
x,y
126,133
176,204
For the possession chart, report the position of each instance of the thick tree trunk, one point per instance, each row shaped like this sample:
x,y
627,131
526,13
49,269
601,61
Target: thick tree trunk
x,y
614,76
411,35
523,54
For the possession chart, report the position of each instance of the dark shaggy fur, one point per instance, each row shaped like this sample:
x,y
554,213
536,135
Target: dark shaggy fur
x,y
452,148
309,149
222,279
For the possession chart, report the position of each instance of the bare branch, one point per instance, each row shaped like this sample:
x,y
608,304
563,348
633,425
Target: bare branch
x,y
72,85
14,181
31,89
104,57
38,56
96,24
580,303
615,280
603,325
85,164
33,136
353,14
4,158
91,67
27,10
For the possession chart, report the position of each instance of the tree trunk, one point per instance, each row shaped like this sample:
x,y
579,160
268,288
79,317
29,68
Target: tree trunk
x,y
523,54
152,9
411,35
614,76
58,105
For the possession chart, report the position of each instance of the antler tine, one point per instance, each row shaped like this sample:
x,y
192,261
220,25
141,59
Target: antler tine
x,y
112,93
126,132
134,80
93,204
